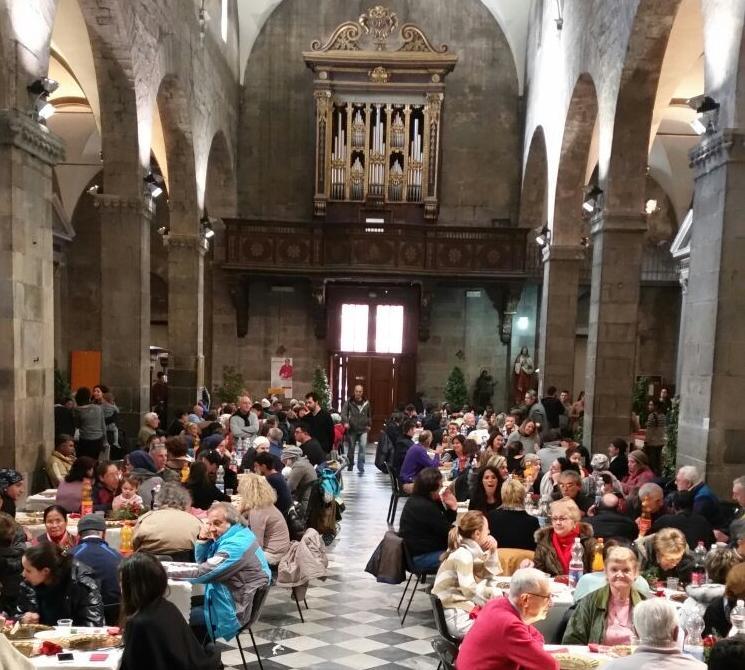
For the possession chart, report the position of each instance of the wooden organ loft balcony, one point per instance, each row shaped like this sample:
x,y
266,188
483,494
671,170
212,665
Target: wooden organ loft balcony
x,y
385,250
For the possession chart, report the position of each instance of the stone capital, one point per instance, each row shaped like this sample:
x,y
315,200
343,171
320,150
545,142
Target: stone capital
x,y
617,222
718,149
25,133
563,252
195,242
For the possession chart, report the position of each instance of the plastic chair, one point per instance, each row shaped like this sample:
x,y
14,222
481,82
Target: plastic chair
x,y
256,607
448,650
421,576
396,493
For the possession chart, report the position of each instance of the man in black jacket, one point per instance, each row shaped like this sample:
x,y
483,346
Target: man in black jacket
x,y
695,527
607,522
310,447
554,408
403,443
320,422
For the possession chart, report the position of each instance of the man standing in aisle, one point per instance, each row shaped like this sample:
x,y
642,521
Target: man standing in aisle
x,y
357,417
320,422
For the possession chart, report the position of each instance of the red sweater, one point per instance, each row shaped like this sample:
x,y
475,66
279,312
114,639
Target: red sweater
x,y
501,640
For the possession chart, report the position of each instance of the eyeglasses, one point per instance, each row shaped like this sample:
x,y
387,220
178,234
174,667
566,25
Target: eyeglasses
x,y
549,597
559,519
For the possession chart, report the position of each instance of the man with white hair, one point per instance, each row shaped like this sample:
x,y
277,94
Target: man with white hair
x,y
705,501
738,496
150,423
656,623
503,636
244,424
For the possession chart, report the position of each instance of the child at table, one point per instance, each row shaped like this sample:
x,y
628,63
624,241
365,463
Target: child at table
x,y
128,498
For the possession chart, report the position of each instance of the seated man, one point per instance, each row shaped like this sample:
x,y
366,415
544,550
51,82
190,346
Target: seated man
x,y
265,465
705,501
300,478
94,551
61,459
310,447
510,621
608,522
570,486
417,459
150,423
232,565
656,623
695,527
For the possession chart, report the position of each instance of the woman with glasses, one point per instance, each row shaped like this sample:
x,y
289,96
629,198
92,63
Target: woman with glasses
x,y
606,616
554,543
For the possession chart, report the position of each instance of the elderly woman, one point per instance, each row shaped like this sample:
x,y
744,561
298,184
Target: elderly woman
x,y
550,480
426,519
466,577
605,616
258,508
511,526
170,529
639,473
554,543
667,553
717,615
55,523
528,435
486,494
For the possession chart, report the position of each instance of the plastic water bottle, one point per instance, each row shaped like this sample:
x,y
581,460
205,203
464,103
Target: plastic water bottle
x,y
737,618
699,558
153,502
576,565
694,626
221,479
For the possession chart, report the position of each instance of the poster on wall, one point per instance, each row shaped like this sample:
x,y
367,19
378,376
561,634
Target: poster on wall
x,y
281,375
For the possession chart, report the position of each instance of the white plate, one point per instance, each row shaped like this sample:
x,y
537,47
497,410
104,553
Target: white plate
x,y
65,631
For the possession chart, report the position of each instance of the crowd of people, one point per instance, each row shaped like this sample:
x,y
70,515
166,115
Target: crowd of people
x,y
513,469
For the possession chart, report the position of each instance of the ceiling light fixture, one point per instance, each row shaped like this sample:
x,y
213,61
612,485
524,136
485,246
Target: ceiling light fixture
x,y
94,190
559,20
707,110
42,88
650,207
207,230
153,183
543,237
592,199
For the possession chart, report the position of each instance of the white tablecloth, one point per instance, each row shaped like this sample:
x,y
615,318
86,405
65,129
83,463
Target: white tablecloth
x,y
113,535
82,661
40,501
181,591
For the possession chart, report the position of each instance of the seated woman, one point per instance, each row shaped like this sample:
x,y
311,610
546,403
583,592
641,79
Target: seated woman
x,y
417,459
203,490
56,587
511,526
55,522
515,456
12,546
468,571
550,480
426,519
592,581
717,615
575,455
106,487
461,456
70,489
554,543
605,616
494,447
170,529
486,494
639,473
156,636
268,524
668,555
528,435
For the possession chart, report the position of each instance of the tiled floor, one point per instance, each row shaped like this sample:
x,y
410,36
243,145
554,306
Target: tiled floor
x,y
352,620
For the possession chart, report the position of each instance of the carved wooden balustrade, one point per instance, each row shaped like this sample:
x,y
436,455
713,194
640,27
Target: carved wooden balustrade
x,y
386,249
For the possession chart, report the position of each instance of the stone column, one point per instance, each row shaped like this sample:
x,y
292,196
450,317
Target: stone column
x,y
27,153
558,331
611,341
125,304
711,428
185,319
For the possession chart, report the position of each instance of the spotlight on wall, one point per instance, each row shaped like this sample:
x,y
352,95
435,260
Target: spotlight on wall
x,y
207,230
163,231
543,237
650,207
42,88
585,242
94,190
153,184
706,109
522,323
592,198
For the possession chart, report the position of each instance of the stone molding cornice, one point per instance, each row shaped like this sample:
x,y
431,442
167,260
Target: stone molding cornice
x,y
617,222
195,242
714,151
23,132
141,205
563,252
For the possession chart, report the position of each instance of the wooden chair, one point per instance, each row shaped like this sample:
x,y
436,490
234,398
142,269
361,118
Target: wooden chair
x,y
511,559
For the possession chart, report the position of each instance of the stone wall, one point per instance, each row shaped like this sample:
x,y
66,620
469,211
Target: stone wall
x,y
657,334
481,126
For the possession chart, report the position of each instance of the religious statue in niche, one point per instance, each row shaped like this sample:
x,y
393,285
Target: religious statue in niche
x,y
483,391
523,375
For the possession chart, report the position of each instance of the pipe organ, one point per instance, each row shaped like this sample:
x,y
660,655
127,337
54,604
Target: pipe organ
x,y
378,114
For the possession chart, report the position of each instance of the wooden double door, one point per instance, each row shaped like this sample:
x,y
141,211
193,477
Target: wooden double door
x,y
388,379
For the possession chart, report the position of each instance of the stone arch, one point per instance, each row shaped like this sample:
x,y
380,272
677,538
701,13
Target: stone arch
x,y
174,109
625,179
575,150
535,183
220,198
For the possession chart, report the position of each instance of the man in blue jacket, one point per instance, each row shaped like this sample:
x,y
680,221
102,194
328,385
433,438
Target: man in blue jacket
x,y
232,566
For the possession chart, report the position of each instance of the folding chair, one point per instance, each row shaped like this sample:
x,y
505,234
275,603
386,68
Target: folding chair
x,y
396,493
421,576
258,604
446,646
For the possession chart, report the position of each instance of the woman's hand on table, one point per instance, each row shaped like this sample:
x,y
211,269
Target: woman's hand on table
x,y
30,617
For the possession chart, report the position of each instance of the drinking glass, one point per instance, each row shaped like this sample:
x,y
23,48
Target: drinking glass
x,y
64,623
672,583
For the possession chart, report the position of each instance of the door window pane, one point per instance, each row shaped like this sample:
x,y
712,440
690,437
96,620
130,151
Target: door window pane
x,y
354,327
389,329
